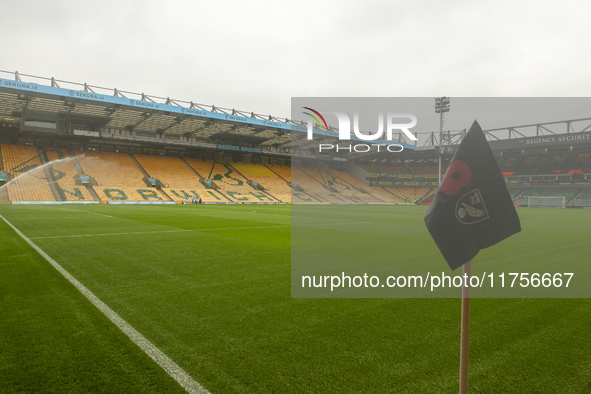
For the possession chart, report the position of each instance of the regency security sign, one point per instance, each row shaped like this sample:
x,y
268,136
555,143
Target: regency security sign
x,y
386,125
546,140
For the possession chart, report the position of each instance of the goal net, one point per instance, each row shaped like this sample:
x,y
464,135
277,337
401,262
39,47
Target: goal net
x,y
555,202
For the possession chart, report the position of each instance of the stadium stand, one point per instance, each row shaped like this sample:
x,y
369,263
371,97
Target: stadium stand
x,y
117,177
296,196
23,163
228,182
414,194
424,170
583,198
259,174
179,181
124,177
514,191
348,186
385,194
369,168
554,163
391,169
314,186
65,174
96,129
327,186
282,171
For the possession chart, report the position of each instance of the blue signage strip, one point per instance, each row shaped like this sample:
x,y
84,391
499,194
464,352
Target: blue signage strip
x,y
246,149
79,94
228,147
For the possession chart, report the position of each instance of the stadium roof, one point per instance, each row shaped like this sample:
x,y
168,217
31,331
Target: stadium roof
x,y
144,116
125,115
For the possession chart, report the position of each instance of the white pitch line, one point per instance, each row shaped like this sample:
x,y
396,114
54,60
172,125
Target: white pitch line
x,y
92,213
197,230
106,234
173,370
45,217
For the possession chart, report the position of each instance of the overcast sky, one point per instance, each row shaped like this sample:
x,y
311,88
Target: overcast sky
x,y
256,55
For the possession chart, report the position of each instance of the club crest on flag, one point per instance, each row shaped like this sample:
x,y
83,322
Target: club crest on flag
x,y
470,208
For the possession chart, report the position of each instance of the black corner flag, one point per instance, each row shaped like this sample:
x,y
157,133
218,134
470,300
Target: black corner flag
x,y
472,208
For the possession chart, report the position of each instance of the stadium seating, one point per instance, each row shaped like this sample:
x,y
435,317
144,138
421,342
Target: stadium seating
x,y
262,175
411,194
348,186
171,171
313,183
369,168
179,182
283,171
583,198
64,173
228,181
514,191
546,164
385,194
296,196
22,162
117,176
391,169
423,170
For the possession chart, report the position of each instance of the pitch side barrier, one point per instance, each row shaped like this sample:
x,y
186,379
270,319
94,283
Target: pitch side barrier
x,y
236,203
264,203
351,203
141,202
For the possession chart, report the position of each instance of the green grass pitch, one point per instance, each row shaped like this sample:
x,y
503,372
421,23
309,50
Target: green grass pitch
x,y
210,287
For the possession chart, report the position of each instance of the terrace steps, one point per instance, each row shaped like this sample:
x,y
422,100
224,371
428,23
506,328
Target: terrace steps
x,y
570,202
58,194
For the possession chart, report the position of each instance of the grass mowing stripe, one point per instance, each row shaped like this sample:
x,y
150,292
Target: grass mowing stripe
x,y
103,234
176,372
197,230
92,213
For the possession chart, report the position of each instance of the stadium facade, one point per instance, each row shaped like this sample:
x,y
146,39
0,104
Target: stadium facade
x,y
63,142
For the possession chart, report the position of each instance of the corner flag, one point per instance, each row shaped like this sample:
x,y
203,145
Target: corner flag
x,y
472,208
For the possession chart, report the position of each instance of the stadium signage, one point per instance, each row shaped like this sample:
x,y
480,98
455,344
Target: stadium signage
x,y
552,140
556,139
191,111
87,95
247,149
389,124
20,85
236,118
228,147
271,124
139,103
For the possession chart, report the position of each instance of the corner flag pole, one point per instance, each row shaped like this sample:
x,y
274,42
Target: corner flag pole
x,y
465,331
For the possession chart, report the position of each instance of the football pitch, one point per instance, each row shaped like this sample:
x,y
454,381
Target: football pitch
x,y
209,287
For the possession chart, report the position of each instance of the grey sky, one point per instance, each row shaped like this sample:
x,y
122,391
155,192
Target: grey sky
x,y
256,55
